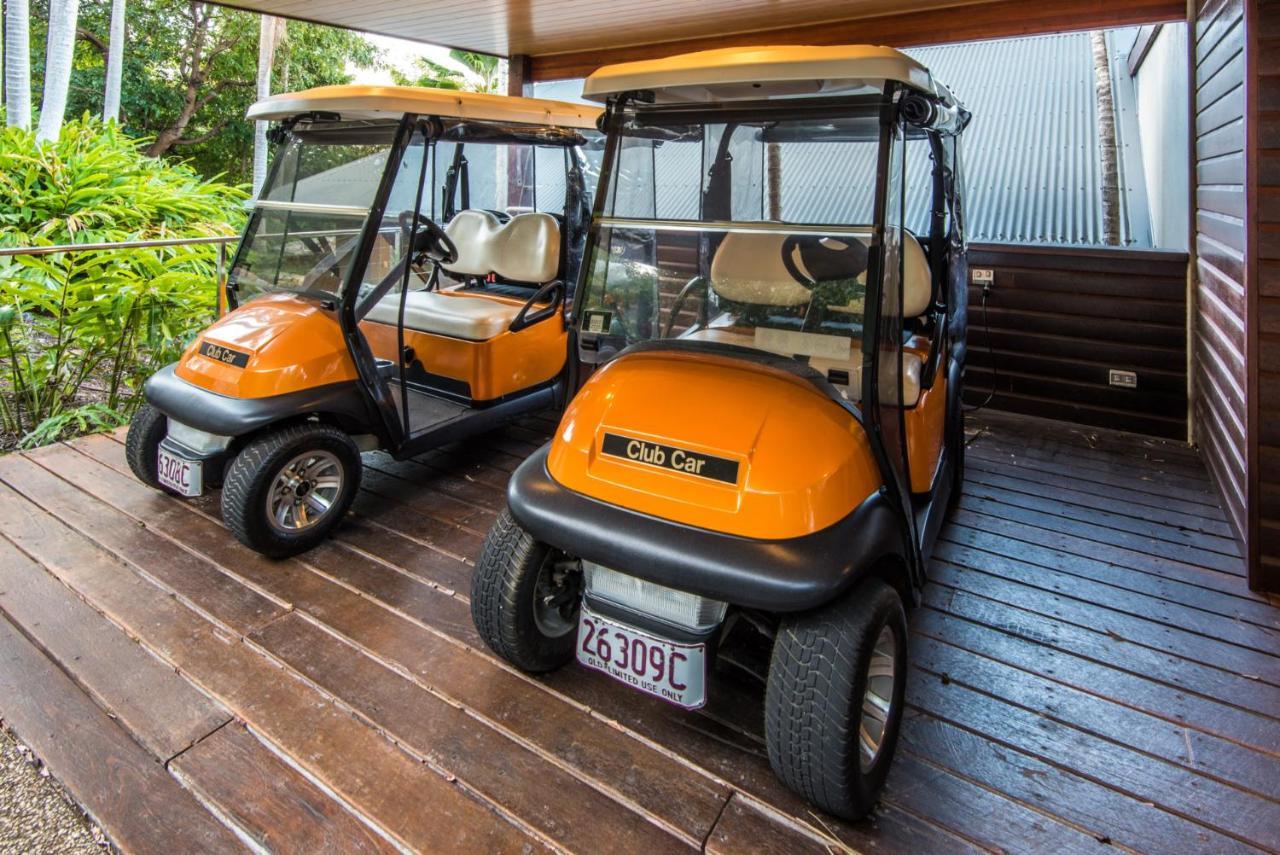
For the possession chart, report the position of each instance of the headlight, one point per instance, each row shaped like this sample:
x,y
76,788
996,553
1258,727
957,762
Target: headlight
x,y
198,441
689,611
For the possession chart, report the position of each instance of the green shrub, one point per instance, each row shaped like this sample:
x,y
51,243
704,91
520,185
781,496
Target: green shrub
x,y
81,331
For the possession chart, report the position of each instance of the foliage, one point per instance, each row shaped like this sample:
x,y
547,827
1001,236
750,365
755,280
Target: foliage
x,y
89,327
189,73
474,72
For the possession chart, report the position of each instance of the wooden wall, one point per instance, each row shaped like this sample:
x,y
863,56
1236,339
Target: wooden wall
x,y
1263,106
1060,319
1221,361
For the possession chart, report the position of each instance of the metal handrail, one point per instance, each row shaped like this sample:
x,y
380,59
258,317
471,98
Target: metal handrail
x,y
220,240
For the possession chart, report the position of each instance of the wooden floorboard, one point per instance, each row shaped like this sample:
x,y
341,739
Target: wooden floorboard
x,y
1088,669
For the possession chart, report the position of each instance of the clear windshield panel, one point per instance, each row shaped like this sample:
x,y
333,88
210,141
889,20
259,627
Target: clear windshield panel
x,y
306,223
755,234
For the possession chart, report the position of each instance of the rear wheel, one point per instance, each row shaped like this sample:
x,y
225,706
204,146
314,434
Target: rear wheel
x,y
287,489
834,700
525,598
147,430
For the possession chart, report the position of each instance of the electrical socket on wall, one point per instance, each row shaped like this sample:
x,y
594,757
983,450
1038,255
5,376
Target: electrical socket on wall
x,y
982,276
1124,379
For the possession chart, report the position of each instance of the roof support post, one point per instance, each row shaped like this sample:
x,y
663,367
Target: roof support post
x,y
519,75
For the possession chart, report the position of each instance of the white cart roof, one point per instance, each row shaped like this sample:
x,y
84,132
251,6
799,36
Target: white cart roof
x,y
753,73
392,102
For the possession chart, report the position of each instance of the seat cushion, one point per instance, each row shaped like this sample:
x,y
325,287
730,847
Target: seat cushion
x,y
472,318
526,248
852,366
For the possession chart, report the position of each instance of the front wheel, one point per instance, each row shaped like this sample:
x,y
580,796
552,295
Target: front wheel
x,y
834,699
287,489
147,429
525,598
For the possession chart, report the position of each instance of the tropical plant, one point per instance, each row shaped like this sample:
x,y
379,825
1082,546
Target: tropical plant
x,y
81,331
189,71
471,72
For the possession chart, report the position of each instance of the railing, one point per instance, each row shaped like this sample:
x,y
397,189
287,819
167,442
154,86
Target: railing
x,y
221,240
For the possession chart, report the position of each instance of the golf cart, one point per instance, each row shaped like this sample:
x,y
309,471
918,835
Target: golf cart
x,y
773,300
401,284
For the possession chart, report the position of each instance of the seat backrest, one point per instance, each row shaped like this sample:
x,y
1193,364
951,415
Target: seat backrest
x,y
526,248
748,268
917,283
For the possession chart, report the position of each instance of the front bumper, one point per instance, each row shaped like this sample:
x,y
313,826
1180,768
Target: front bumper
x,y
227,416
788,575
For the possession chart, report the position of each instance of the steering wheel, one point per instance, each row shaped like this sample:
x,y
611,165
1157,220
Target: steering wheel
x,y
825,259
430,241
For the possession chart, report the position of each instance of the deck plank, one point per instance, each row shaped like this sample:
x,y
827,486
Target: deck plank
x,y
1089,667
414,803
270,802
118,783
158,708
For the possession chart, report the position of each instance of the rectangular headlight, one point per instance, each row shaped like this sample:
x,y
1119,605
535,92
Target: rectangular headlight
x,y
682,609
198,441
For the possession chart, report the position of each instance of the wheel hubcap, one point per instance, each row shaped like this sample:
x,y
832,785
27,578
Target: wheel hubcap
x,y
557,596
305,490
877,698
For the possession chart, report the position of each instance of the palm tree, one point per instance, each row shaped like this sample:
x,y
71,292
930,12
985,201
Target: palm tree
x,y
115,61
474,72
63,15
17,64
271,31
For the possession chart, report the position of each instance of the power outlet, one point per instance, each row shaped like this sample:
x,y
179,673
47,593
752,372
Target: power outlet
x,y
982,276
1124,379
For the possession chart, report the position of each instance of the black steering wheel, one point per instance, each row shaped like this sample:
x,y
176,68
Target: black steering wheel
x,y
430,241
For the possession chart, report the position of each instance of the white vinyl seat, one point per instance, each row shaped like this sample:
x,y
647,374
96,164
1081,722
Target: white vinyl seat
x,y
525,249
852,367
469,318
748,268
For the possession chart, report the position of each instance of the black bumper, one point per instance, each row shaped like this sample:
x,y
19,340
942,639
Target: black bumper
x,y
774,575
227,416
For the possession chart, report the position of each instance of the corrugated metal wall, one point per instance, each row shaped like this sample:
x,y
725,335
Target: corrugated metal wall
x,y
1031,153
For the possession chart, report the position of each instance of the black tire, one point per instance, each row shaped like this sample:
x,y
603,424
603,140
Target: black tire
x,y
147,430
958,443
251,476
503,592
814,699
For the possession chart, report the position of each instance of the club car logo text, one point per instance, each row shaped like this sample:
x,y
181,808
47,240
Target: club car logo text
x,y
225,355
669,457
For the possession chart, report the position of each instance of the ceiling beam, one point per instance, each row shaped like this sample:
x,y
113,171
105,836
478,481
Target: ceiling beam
x,y
999,19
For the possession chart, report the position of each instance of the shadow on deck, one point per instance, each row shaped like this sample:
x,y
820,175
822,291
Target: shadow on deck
x,y
1088,668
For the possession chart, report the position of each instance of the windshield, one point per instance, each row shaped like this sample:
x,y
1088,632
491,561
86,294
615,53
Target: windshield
x,y
308,217
753,233
306,225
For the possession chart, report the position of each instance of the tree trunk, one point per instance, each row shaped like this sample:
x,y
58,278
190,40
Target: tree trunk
x,y
269,33
1108,154
57,67
115,63
17,64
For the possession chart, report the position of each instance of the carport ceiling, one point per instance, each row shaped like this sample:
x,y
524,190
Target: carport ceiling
x,y
567,37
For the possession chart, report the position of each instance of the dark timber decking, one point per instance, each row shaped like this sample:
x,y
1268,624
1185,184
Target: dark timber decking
x,y
1089,672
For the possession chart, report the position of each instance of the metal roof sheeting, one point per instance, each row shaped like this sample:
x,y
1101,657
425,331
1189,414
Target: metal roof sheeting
x,y
1030,154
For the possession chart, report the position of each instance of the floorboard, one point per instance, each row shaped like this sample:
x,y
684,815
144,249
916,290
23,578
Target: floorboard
x,y
1088,669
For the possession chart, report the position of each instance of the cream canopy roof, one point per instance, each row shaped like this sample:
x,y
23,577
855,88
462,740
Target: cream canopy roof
x,y
392,102
730,74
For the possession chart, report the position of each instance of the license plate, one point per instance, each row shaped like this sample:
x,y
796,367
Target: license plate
x,y
669,670
184,477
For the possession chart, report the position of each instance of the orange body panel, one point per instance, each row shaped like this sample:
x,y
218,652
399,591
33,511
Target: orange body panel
x,y
804,462
926,425
508,362
292,344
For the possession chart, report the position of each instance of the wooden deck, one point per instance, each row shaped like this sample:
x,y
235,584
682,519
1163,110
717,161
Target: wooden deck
x,y
1089,669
